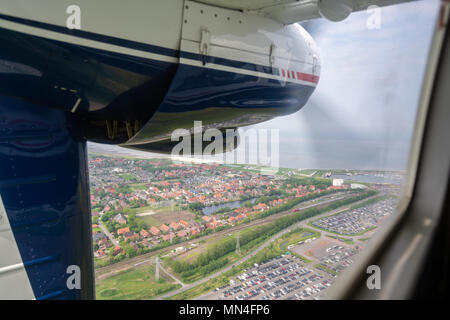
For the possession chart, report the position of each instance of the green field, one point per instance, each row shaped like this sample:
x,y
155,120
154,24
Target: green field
x,y
342,239
296,235
205,244
128,176
138,186
150,221
223,261
138,284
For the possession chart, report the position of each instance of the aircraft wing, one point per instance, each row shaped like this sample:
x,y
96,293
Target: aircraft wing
x,y
291,11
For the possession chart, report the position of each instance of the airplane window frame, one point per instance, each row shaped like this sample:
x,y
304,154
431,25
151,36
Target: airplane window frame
x,y
401,259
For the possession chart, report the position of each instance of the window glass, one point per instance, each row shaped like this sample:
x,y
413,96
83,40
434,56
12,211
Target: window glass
x,y
287,229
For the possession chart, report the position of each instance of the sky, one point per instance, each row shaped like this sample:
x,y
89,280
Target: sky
x,y
362,114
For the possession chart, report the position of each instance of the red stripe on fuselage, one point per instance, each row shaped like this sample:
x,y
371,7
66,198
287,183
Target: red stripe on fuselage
x,y
307,77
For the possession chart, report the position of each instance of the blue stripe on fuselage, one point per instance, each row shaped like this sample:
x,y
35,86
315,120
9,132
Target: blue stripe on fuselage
x,y
94,36
142,46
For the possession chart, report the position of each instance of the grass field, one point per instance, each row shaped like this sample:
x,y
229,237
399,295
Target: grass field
x,y
281,244
150,221
137,284
300,234
342,239
206,244
294,237
138,186
128,176
162,215
202,247
231,257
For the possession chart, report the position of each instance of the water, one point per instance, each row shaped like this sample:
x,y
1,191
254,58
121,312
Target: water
x,y
371,178
232,205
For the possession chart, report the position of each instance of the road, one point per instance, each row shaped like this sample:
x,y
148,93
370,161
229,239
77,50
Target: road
x,y
302,223
307,175
108,234
111,270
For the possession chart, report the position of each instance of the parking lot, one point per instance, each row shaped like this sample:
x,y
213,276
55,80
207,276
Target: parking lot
x,y
289,278
338,258
285,278
359,220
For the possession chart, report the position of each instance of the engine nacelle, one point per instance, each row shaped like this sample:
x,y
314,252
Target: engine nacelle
x,y
335,10
235,70
230,70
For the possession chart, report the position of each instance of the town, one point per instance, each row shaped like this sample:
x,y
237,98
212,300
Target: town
x,y
145,203
189,220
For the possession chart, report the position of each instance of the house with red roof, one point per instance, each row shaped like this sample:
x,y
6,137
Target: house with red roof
x,y
123,230
104,243
128,236
182,233
261,207
184,223
117,250
174,225
155,231
100,253
144,233
164,228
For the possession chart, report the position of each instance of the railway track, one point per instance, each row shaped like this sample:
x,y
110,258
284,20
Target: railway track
x,y
111,270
